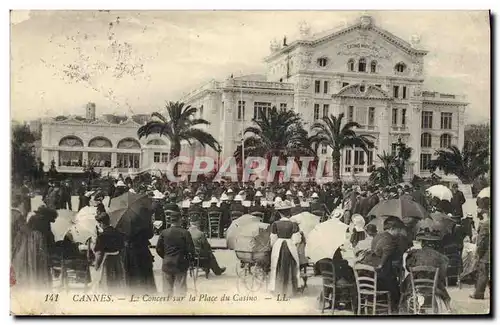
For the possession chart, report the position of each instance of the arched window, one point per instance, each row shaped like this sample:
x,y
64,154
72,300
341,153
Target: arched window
x,y
322,62
362,65
400,67
71,141
373,67
128,143
426,140
350,65
156,142
100,142
445,141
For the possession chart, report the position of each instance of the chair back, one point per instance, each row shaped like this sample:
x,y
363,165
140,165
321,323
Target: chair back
x,y
235,215
366,278
327,270
259,215
321,214
214,223
454,255
424,282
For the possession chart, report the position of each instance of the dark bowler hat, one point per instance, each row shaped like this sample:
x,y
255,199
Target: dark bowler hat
x,y
175,216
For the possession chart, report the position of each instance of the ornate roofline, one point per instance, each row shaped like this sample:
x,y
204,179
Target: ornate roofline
x,y
384,95
388,36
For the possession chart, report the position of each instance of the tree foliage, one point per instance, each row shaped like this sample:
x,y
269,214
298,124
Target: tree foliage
x,y
23,158
179,125
467,165
330,131
477,135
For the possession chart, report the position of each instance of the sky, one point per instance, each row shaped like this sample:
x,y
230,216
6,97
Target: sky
x,y
60,60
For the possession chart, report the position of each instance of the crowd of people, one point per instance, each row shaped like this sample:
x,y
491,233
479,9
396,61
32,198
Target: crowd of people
x,y
180,217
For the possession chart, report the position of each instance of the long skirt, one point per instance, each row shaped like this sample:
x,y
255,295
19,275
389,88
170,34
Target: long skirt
x,y
139,269
112,278
469,273
30,261
286,281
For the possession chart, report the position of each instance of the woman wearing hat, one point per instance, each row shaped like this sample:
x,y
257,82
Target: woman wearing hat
x,y
428,255
285,236
108,260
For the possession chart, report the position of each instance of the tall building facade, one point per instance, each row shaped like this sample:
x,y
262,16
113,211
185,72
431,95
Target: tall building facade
x,y
372,76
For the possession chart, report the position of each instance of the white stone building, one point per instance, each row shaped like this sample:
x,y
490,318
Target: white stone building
x,y
374,77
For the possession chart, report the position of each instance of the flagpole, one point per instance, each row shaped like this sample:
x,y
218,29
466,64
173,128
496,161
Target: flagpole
x,y
242,133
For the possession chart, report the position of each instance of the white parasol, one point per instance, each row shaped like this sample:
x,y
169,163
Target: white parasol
x,y
325,239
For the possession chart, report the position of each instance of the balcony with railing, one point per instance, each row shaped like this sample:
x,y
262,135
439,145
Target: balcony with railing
x,y
436,96
250,84
399,128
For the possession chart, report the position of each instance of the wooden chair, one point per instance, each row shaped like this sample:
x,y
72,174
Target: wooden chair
x,y
214,224
424,283
454,270
336,290
368,295
75,271
198,263
259,215
321,214
235,215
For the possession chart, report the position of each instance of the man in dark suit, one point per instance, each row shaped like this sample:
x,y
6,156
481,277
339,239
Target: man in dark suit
x,y
483,256
237,204
315,204
204,250
66,195
175,246
26,196
457,200
196,209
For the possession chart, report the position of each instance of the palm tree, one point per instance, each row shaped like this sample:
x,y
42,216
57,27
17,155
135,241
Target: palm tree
x,y
401,159
178,125
467,165
330,132
279,134
387,174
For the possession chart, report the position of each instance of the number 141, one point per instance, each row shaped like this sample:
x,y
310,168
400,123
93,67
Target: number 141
x,y
52,297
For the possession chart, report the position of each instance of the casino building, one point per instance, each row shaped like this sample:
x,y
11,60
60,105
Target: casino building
x,y
372,76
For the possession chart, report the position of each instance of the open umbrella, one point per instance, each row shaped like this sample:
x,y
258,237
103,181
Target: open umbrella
x,y
236,226
485,192
441,192
325,239
86,213
253,237
131,212
379,223
443,222
399,208
82,230
64,221
306,220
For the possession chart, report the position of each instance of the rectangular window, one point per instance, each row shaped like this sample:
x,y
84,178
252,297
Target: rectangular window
x,y
359,157
326,109
403,117
394,116
222,111
427,120
261,109
241,110
316,111
395,91
425,159
350,114
325,87
379,86
371,116
156,157
128,160
446,121
394,148
348,157
345,84
317,86
323,149
164,157
404,92
282,105
369,158
100,159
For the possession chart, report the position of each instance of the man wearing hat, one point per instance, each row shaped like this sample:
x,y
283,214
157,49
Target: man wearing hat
x,y
257,205
483,255
285,236
203,249
196,208
120,188
429,236
457,200
315,205
237,204
175,246
225,207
